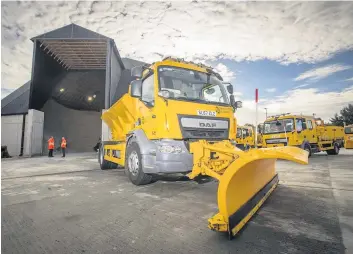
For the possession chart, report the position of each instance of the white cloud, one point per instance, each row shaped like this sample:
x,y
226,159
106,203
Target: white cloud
x,y
287,32
223,70
301,86
322,72
349,79
297,101
271,90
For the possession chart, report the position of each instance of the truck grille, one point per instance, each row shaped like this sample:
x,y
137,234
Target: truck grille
x,y
209,128
276,141
205,134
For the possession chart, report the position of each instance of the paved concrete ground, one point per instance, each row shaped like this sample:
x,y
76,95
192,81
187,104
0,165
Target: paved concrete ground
x,y
71,206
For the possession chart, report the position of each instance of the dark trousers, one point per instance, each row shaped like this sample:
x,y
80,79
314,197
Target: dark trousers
x,y
50,153
63,150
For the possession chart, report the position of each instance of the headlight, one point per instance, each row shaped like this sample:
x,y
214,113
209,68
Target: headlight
x,y
169,149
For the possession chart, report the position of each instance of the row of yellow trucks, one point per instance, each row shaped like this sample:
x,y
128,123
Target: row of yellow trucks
x,y
305,132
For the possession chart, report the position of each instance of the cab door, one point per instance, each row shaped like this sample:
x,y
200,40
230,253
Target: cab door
x,y
302,130
311,131
146,106
300,127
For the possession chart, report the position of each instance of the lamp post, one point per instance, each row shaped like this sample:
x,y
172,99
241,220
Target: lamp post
x,y
266,112
256,103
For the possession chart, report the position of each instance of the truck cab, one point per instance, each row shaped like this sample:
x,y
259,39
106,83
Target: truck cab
x,y
288,130
245,137
306,132
170,104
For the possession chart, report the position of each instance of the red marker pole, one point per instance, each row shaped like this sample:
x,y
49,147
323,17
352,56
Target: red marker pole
x,y
256,101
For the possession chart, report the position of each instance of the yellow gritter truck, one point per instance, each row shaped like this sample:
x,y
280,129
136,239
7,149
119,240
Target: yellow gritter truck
x,y
245,137
178,117
305,132
348,136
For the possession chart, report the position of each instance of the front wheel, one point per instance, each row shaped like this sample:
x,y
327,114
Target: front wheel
x,y
133,164
334,151
308,149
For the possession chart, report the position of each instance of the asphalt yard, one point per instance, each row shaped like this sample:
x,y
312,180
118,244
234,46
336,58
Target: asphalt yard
x,y
56,205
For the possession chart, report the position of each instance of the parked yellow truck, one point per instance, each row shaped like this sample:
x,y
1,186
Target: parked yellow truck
x,y
177,117
245,137
348,136
306,132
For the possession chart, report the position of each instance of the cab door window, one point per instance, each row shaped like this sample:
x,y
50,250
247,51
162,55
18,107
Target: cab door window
x,y
304,124
309,124
299,124
148,90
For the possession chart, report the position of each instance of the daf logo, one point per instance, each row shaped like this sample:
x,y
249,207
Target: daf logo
x,y
207,125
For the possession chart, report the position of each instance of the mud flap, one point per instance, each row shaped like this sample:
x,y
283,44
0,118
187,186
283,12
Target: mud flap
x,y
247,183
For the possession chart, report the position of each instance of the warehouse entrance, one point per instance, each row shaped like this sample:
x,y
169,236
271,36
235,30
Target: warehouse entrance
x,y
74,72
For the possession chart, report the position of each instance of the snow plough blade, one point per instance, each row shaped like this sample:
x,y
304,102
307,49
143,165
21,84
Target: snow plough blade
x,y
246,179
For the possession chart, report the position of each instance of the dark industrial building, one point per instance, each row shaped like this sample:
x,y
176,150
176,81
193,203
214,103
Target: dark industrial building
x,y
76,74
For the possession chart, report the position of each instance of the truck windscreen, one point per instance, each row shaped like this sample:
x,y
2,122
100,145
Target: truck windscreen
x,y
348,130
191,85
279,126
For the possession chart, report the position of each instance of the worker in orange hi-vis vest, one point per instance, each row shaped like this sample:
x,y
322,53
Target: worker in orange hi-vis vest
x,y
63,146
51,146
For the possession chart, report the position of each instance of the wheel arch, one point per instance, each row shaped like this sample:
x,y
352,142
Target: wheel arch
x,y
304,143
139,136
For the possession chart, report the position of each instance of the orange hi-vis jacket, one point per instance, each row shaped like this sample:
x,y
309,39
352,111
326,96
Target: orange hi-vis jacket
x,y
63,143
51,143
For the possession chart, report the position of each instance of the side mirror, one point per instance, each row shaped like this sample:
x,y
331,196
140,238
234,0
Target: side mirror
x,y
137,72
136,88
230,88
235,104
238,104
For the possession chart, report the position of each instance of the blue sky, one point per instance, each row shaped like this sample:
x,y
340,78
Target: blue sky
x,y
299,54
273,78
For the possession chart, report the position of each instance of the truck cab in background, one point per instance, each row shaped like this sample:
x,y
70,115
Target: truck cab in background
x,y
348,136
245,137
306,132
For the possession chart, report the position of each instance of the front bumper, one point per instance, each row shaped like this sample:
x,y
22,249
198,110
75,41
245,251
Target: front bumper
x,y
157,162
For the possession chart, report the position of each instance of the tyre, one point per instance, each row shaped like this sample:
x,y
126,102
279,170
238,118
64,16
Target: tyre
x,y
104,164
307,148
133,165
334,151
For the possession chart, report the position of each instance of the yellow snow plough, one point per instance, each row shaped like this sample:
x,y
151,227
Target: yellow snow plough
x,y
178,117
